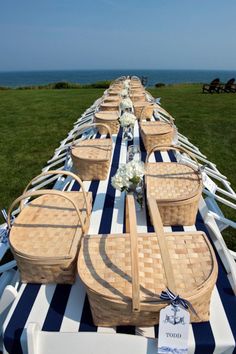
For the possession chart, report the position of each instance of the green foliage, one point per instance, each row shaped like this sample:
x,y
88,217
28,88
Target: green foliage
x,y
62,85
98,84
55,85
159,84
2,88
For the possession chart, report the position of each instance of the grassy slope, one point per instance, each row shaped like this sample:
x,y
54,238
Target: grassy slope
x,y
209,121
33,123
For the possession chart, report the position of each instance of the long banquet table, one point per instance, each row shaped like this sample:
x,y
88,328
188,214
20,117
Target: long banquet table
x,y
65,308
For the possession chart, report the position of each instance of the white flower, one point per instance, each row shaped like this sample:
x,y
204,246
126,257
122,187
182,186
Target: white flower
x,y
126,84
124,92
128,175
126,103
127,119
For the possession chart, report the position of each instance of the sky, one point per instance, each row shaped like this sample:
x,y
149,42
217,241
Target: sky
x,y
117,34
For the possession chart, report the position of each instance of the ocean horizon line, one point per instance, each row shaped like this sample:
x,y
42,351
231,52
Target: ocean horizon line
x,y
166,76
115,69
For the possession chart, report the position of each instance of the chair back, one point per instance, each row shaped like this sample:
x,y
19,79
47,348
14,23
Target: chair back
x,y
229,83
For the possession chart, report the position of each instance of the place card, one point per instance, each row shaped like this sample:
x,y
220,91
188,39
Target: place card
x,y
173,330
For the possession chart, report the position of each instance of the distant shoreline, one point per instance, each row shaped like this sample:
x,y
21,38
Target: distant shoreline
x,y
86,77
72,85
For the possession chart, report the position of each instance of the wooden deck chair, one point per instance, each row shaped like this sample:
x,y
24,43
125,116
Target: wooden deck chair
x,y
230,86
214,86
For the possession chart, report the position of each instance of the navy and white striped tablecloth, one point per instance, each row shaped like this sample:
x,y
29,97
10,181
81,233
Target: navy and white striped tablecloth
x,y
65,308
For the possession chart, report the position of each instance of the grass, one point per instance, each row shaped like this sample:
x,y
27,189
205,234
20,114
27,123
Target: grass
x,y
209,121
32,125
33,122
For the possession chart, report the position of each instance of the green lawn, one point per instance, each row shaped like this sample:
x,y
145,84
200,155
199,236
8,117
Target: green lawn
x,y
34,121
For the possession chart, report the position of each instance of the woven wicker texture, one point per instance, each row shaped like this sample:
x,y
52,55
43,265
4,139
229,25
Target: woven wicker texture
x,y
91,158
109,118
114,90
116,96
105,268
170,181
93,150
137,91
177,189
45,236
143,110
138,98
47,226
156,134
110,106
108,99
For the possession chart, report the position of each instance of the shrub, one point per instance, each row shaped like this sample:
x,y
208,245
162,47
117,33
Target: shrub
x,y
99,84
159,84
61,85
2,88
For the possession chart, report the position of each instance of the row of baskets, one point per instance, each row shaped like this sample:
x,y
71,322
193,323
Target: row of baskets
x,y
124,274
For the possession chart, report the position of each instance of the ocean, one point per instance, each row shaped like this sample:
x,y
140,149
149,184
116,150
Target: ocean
x,y
28,78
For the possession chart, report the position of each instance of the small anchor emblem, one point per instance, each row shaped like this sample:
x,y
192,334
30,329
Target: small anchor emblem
x,y
174,319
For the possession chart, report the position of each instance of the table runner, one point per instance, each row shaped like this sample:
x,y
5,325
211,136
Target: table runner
x,y
65,308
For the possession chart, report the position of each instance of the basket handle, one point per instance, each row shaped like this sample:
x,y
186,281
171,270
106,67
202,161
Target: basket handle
x,y
158,227
42,192
131,228
61,172
90,126
172,147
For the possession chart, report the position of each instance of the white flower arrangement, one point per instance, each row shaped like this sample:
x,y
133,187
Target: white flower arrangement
x,y
126,84
126,103
128,176
124,92
127,119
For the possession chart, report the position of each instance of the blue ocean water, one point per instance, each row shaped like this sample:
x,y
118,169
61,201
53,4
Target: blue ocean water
x,y
26,78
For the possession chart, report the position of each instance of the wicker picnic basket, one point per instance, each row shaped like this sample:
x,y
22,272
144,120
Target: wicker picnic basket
x,y
114,91
91,158
109,106
124,274
156,134
137,91
176,187
143,110
45,236
108,99
108,118
141,97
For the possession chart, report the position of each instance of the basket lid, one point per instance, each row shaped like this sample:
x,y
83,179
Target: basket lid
x,y
115,91
47,226
112,99
107,115
143,104
110,105
93,150
104,265
155,128
172,181
140,94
